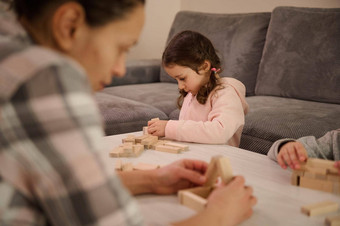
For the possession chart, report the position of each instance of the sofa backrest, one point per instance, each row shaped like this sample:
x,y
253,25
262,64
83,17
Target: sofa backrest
x,y
301,57
239,39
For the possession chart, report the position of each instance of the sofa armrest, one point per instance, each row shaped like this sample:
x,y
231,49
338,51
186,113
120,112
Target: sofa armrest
x,y
138,72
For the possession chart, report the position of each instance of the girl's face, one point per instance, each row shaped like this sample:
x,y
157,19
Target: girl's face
x,y
102,50
188,79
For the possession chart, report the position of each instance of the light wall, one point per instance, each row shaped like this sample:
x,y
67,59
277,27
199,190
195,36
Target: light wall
x,y
160,15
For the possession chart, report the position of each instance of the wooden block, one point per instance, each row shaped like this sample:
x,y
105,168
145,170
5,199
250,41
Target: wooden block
x,y
320,185
127,167
320,208
129,138
181,146
212,172
333,177
149,140
116,152
140,138
194,198
224,169
295,179
118,165
322,163
169,149
333,220
316,170
154,119
313,175
336,187
145,166
145,130
159,142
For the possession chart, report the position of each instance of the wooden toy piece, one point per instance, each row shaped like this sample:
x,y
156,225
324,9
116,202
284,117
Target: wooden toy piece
x,y
224,169
177,145
140,138
116,152
318,174
196,198
320,208
154,119
118,165
145,130
326,186
138,149
212,173
159,142
127,167
295,179
316,163
149,140
166,148
129,139
333,221
145,166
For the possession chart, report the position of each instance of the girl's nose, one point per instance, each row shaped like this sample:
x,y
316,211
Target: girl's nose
x,y
181,85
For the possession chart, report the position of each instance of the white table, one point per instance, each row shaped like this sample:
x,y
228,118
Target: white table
x,y
279,202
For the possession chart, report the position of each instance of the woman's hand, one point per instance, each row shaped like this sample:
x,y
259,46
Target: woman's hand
x,y
179,175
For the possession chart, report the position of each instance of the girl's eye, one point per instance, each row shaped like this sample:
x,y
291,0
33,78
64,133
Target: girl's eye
x,y
182,79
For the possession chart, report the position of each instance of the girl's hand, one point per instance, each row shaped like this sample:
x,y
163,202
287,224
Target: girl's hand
x,y
291,154
157,128
337,165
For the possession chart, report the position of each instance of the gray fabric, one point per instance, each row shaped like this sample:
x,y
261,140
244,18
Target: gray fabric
x,y
239,39
161,95
139,72
274,118
325,147
301,56
123,115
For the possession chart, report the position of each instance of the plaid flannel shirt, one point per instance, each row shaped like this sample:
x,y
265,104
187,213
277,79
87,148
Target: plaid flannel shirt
x,y
50,133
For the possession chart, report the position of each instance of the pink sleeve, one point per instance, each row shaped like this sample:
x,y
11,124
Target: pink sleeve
x,y
225,122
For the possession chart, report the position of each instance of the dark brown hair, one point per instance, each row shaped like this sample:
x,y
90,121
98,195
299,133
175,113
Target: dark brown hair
x,y
98,12
191,49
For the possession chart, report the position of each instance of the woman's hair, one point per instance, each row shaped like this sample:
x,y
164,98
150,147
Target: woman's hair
x,y
98,12
191,49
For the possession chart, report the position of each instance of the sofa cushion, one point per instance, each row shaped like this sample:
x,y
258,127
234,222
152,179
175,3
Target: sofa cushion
x,y
123,115
272,118
239,39
301,56
162,96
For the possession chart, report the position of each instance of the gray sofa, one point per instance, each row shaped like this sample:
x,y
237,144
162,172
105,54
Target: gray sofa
x,y
289,61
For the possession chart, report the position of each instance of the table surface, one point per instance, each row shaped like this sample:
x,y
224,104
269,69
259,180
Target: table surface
x,y
279,202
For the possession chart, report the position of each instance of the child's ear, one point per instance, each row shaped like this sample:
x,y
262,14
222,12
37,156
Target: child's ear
x,y
206,66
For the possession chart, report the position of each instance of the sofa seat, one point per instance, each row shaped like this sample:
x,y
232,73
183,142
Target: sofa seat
x,y
271,118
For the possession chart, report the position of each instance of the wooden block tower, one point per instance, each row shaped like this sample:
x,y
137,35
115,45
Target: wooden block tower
x,y
318,174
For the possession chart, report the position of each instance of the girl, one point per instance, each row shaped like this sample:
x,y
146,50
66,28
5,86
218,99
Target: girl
x,y
212,108
50,127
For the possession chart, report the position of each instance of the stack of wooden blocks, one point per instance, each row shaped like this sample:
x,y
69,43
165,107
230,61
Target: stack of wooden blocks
x,y
196,198
133,146
318,174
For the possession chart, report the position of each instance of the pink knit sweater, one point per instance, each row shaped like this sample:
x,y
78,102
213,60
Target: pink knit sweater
x,y
219,121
